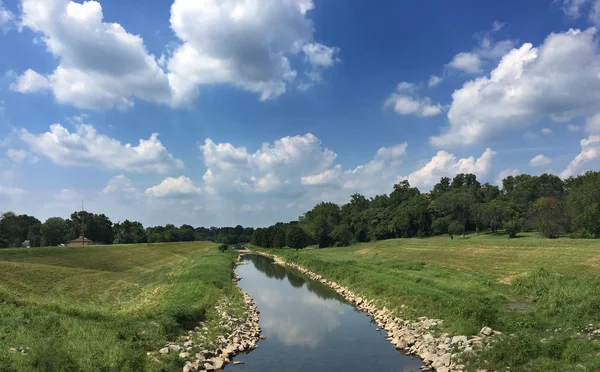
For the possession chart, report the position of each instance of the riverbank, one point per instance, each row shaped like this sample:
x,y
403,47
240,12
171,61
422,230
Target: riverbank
x,y
106,307
438,351
548,316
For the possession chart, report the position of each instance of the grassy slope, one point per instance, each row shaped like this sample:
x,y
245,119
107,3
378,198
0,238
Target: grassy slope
x,y
466,283
102,307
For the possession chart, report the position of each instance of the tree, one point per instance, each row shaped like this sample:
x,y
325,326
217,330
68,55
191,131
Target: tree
x,y
54,231
549,218
341,235
455,228
279,238
494,214
513,227
583,204
296,237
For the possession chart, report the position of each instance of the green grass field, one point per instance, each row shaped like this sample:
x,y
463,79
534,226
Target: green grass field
x,y
101,308
544,292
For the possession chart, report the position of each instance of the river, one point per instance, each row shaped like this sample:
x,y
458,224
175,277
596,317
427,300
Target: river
x,y
309,327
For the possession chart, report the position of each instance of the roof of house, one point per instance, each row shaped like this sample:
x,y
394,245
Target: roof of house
x,y
81,238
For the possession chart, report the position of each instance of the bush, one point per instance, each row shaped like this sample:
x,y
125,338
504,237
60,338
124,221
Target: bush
x,y
513,227
223,247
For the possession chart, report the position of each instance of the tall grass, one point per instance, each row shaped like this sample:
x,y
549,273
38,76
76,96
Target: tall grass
x,y
102,308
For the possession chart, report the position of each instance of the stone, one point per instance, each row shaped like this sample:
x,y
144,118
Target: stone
x,y
263,337
237,362
184,355
209,367
219,363
164,350
174,347
188,343
458,339
486,331
189,367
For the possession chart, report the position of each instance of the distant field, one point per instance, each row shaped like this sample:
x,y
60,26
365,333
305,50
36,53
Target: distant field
x,y
103,307
528,286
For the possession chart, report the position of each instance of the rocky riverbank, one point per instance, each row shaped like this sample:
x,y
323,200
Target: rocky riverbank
x,y
440,352
212,345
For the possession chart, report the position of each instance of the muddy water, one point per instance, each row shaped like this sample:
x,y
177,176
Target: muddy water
x,y
309,327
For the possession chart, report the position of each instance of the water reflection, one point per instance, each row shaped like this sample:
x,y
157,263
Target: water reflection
x,y
309,327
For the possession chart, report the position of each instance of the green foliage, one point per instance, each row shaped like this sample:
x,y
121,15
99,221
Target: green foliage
x,y
342,235
223,247
296,237
549,218
455,228
583,204
513,227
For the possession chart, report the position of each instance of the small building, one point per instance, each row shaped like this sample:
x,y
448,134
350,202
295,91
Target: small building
x,y
81,241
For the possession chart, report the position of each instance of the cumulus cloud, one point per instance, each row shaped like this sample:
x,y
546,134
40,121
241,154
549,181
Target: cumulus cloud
x,y
434,80
576,8
540,161
590,150
119,184
592,124
546,131
181,186
506,173
248,44
6,18
86,147
101,66
19,156
277,167
560,77
467,62
444,164
405,101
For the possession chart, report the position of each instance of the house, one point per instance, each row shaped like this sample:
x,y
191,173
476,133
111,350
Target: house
x,y
81,241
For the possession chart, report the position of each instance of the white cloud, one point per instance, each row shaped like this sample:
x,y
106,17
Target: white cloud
x,y
505,173
119,184
590,150
321,55
572,8
101,65
576,8
11,192
573,128
444,164
19,156
546,131
405,101
277,167
6,18
434,80
181,186
561,76
497,26
329,176
467,62
592,124
540,161
248,44
86,147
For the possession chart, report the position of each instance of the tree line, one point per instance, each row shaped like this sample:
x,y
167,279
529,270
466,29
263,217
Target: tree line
x,y
546,203
23,230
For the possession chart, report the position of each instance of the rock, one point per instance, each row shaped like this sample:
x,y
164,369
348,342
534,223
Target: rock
x,y
237,362
184,355
209,367
189,367
174,347
486,331
188,343
219,363
164,350
458,339
263,337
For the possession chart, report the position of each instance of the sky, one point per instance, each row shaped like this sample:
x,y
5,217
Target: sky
x,y
226,112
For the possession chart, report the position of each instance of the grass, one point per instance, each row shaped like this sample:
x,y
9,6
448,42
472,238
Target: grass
x,y
102,308
543,292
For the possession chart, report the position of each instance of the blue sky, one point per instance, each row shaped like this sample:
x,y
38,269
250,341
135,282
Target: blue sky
x,y
250,112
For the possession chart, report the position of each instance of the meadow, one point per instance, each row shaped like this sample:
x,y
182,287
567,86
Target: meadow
x,y
102,308
541,293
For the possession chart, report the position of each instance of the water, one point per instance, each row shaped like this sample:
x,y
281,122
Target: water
x,y
309,327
